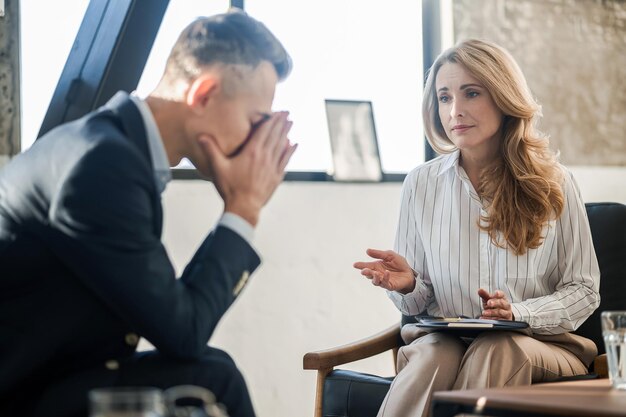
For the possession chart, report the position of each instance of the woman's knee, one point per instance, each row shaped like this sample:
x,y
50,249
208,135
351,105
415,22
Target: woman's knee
x,y
500,344
498,350
434,349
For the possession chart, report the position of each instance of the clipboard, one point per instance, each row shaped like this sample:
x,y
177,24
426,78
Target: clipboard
x,y
468,327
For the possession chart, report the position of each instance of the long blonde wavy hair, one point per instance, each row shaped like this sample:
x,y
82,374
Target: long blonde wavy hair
x,y
523,187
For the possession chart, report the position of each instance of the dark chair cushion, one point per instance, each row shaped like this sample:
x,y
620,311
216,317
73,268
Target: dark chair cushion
x,y
349,393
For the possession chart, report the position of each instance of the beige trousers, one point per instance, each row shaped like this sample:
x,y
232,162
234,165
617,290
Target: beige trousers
x,y
440,362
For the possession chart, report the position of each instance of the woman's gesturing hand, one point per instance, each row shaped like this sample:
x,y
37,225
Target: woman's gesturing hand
x,y
495,306
391,271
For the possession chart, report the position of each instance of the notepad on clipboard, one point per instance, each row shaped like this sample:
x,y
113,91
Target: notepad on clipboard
x,y
467,327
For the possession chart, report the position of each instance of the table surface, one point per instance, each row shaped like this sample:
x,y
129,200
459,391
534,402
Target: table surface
x,y
574,398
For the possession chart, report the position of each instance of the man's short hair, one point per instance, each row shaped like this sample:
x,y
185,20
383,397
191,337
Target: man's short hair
x,y
231,38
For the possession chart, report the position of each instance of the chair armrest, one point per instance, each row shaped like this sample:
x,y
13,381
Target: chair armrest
x,y
364,348
600,366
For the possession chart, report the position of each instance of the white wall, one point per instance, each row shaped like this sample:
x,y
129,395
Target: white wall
x,y
306,295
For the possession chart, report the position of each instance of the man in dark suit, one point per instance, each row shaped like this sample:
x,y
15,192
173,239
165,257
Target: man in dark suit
x,y
83,273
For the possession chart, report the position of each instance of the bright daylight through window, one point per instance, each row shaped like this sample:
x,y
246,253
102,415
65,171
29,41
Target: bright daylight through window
x,y
345,50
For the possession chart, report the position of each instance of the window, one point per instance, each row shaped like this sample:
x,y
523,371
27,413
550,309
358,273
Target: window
x,y
346,50
47,30
43,56
350,50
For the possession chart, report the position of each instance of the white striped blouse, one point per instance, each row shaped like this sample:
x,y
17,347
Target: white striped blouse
x,y
554,288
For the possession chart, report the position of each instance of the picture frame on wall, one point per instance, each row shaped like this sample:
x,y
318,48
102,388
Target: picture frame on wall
x,y
353,140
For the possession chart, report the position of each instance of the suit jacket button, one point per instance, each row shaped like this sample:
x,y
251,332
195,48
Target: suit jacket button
x,y
131,339
112,365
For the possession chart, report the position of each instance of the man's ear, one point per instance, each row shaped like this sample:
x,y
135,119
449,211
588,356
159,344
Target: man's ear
x,y
202,90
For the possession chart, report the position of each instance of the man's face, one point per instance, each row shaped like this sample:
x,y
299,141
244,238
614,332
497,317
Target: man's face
x,y
232,113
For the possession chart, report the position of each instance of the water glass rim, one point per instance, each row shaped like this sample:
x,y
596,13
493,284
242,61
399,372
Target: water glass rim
x,y
127,392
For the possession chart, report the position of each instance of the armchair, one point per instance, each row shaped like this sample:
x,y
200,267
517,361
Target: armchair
x,y
343,393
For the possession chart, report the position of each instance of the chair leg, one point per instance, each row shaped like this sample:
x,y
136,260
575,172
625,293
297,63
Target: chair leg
x,y
601,366
319,391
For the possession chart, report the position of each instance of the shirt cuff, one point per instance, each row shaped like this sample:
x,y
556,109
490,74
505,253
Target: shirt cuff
x,y
238,225
419,286
520,314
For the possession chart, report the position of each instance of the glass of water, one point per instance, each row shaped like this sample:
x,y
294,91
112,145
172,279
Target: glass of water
x,y
178,401
614,333
126,402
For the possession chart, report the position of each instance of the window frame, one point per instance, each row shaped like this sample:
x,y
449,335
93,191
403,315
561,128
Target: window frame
x,y
113,33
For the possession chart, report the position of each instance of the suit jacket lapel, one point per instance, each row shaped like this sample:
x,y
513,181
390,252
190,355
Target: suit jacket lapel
x,y
133,125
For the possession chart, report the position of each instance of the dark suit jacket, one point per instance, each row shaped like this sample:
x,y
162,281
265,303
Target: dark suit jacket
x,y
82,266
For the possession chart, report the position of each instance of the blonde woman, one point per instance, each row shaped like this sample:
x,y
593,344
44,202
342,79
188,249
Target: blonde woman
x,y
494,228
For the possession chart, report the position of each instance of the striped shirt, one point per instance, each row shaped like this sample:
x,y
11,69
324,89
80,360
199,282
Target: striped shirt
x,y
554,288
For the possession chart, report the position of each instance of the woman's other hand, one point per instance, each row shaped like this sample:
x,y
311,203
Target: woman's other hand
x,y
391,271
495,306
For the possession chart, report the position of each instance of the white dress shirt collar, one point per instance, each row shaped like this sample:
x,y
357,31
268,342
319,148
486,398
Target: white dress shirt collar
x,y
160,163
449,161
